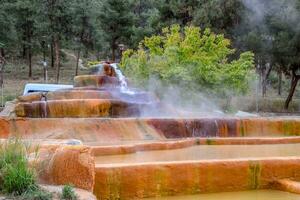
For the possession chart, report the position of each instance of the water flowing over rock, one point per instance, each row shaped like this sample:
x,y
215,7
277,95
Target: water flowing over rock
x,y
102,95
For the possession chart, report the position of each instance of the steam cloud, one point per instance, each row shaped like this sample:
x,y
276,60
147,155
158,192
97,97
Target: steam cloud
x,y
285,10
178,102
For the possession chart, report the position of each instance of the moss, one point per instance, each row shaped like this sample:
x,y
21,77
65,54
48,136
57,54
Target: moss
x,y
114,185
254,175
195,188
287,128
242,128
210,141
160,180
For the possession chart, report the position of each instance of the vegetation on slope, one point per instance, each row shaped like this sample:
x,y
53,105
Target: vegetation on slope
x,y
191,58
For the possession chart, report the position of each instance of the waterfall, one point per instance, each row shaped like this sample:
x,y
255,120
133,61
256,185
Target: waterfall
x,y
123,83
120,76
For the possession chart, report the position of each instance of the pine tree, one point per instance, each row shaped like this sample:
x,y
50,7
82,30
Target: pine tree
x,y
116,19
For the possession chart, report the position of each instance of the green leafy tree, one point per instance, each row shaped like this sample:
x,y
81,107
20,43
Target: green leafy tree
x,y
190,58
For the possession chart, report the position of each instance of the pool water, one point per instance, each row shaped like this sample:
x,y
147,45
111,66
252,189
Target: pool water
x,y
204,152
245,195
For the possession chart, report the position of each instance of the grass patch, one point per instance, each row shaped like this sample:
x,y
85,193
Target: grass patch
x,y
36,194
16,176
68,193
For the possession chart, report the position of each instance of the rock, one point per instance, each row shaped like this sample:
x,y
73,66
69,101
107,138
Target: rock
x,y
73,165
68,165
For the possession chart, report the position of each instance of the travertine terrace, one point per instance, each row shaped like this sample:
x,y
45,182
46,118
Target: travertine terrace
x,y
93,137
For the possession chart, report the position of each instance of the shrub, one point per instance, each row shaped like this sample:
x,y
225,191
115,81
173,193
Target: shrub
x,y
16,176
68,193
192,58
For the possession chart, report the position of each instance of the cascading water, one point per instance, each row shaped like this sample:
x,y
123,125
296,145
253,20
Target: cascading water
x,y
123,83
120,76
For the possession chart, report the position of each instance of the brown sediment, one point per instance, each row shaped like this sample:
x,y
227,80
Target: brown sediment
x,y
79,94
84,129
149,146
4,128
191,177
118,149
95,80
30,97
77,108
287,185
108,130
224,127
61,164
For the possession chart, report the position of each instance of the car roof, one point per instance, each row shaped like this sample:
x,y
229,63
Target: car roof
x,y
44,87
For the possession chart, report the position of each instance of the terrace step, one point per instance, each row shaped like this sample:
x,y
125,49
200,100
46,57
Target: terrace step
x,y
78,108
95,80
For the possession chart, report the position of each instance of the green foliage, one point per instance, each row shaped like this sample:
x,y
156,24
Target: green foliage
x,y
68,193
36,193
189,58
116,19
16,176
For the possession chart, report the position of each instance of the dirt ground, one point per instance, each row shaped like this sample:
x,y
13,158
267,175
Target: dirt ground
x,y
16,75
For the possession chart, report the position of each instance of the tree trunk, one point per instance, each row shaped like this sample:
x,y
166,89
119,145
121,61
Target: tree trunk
x,y
266,70
113,51
24,52
24,45
98,55
52,54
29,62
77,62
294,83
2,63
2,53
279,82
57,57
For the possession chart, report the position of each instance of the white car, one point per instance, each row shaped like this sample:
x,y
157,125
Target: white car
x,y
39,87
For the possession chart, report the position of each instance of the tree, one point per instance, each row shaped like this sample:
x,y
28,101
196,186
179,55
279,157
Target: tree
x,y
8,34
83,25
219,15
55,21
116,19
285,29
25,13
146,20
2,64
252,33
190,58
